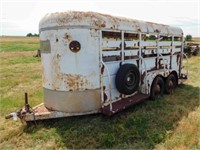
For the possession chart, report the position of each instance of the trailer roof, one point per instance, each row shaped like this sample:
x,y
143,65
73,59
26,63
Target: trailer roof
x,y
103,21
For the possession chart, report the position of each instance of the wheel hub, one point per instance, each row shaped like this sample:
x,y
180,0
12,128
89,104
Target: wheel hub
x,y
171,86
157,90
130,79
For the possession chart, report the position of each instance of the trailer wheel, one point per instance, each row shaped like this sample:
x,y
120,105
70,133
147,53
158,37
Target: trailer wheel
x,y
170,84
157,88
127,79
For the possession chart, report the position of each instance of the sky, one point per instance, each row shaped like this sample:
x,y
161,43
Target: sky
x,y
19,17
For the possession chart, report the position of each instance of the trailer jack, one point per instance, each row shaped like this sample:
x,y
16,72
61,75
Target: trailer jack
x,y
21,113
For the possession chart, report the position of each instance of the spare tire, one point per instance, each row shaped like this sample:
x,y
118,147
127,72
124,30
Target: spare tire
x,y
127,79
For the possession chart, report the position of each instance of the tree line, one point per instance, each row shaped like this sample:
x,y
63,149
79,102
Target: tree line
x,y
32,35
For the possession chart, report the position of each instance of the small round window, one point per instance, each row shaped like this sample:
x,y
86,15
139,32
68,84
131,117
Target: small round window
x,y
75,46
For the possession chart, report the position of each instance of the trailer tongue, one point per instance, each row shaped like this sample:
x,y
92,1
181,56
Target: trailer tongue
x,y
39,112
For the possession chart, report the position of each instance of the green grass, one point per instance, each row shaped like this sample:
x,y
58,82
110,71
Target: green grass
x,y
153,124
186,134
18,46
8,44
20,60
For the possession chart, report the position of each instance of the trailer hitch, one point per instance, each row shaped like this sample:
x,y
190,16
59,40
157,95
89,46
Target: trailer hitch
x,y
22,112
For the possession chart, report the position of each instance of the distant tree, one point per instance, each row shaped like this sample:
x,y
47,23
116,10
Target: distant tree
x,y
32,35
152,37
36,34
29,35
188,37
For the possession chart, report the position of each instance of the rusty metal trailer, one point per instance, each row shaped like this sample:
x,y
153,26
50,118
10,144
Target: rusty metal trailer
x,y
97,63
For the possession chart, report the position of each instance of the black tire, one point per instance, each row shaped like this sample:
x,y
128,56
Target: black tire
x,y
157,88
127,79
170,84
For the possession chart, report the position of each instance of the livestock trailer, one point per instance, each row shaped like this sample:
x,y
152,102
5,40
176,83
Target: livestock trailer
x,y
97,63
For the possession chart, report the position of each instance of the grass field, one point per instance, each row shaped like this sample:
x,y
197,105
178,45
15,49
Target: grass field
x,y
10,44
172,122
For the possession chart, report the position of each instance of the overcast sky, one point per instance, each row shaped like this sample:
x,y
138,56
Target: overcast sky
x,y
19,17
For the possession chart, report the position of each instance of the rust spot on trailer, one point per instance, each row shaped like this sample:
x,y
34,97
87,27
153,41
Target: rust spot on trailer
x,y
58,56
103,24
102,69
113,27
105,97
138,29
157,31
56,73
75,82
137,26
71,81
67,37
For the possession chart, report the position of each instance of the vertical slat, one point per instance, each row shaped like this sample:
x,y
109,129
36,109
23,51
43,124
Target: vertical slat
x,y
122,50
100,66
140,55
158,36
182,53
172,51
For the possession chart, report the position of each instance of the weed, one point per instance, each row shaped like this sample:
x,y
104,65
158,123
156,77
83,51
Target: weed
x,y
108,140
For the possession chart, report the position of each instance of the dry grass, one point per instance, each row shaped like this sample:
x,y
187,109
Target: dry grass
x,y
10,55
18,39
196,39
186,135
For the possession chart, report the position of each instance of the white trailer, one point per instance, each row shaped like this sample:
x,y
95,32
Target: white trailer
x,y
97,63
